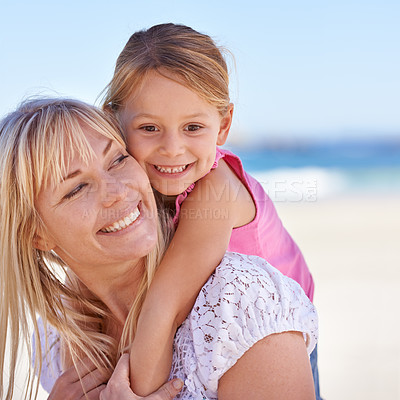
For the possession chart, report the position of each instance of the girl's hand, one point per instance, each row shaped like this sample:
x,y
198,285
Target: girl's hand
x,y
69,387
118,387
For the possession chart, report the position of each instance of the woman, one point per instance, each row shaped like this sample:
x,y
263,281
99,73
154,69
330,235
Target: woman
x,y
72,199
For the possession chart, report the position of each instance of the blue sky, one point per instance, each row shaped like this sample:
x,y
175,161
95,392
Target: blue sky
x,y
303,68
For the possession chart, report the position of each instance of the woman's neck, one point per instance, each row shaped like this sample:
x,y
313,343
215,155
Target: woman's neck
x,y
116,287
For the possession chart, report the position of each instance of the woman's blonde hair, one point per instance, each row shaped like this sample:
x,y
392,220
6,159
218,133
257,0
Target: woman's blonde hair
x,y
177,52
36,143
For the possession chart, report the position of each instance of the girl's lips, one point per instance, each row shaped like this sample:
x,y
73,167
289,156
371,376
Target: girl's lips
x,y
167,171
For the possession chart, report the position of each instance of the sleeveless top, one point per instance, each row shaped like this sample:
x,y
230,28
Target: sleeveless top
x,y
244,301
265,236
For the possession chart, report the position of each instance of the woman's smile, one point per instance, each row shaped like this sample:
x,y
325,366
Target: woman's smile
x,y
123,223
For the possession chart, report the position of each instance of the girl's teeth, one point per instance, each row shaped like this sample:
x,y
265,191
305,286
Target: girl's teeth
x,y
168,170
122,223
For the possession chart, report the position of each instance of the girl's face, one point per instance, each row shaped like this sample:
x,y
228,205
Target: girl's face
x,y
172,133
102,214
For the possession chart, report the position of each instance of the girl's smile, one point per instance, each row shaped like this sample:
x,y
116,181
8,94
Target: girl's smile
x,y
173,172
172,132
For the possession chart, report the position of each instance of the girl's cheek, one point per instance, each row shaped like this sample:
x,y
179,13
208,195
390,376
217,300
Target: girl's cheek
x,y
133,146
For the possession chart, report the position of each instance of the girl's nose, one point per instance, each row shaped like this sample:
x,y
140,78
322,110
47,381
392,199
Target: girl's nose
x,y
172,145
113,191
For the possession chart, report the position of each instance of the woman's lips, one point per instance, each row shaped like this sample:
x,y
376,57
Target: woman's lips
x,y
124,222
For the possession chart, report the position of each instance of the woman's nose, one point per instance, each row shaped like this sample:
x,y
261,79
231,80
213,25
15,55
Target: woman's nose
x,y
113,191
172,144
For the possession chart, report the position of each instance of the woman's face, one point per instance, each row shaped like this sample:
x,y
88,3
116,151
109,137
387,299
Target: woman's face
x,y
102,213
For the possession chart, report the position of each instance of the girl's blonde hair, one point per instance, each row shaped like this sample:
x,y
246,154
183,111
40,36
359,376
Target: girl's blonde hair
x,y
36,143
177,52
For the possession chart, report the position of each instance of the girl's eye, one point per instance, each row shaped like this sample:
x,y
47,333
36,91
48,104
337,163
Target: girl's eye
x,y
75,191
120,160
149,128
193,128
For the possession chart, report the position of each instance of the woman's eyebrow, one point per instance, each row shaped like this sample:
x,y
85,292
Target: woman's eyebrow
x,y
108,147
78,171
71,175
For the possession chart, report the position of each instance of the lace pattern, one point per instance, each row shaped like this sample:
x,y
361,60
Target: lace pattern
x,y
244,301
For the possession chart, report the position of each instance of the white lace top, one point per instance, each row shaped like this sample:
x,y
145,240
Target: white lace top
x,y
244,301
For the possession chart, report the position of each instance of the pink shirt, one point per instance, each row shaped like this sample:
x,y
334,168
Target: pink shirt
x,y
265,236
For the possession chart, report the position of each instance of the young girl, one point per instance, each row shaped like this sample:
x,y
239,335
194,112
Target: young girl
x,y
170,93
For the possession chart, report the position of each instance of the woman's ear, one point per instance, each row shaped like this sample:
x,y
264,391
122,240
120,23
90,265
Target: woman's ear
x,y
43,243
225,126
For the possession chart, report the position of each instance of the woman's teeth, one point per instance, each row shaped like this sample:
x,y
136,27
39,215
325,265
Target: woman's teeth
x,y
122,223
170,170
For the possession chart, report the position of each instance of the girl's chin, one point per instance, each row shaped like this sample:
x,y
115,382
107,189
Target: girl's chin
x,y
170,189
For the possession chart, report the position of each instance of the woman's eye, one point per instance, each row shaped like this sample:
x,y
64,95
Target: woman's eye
x,y
192,128
149,128
120,160
75,191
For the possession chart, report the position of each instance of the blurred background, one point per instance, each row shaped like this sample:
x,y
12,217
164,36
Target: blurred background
x,y
316,88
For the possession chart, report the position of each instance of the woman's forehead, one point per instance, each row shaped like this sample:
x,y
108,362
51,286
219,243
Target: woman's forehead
x,y
81,154
74,144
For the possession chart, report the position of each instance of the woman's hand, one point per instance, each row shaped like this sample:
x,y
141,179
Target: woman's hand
x,y
118,387
69,387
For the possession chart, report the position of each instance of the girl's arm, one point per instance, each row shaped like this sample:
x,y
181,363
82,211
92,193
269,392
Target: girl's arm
x,y
118,387
218,203
276,367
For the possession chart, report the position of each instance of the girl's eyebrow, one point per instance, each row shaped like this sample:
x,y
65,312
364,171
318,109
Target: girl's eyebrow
x,y
197,115
190,116
143,115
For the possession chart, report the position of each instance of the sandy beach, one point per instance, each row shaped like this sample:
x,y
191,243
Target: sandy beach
x,y
352,247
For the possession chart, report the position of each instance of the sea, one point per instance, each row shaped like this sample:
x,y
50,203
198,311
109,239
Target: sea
x,y
312,171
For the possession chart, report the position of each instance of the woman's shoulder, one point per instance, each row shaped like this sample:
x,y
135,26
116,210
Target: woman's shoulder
x,y
235,264
247,289
253,276
244,301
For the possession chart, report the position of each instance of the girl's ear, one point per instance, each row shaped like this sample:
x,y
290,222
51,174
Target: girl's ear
x,y
226,123
43,243
107,109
